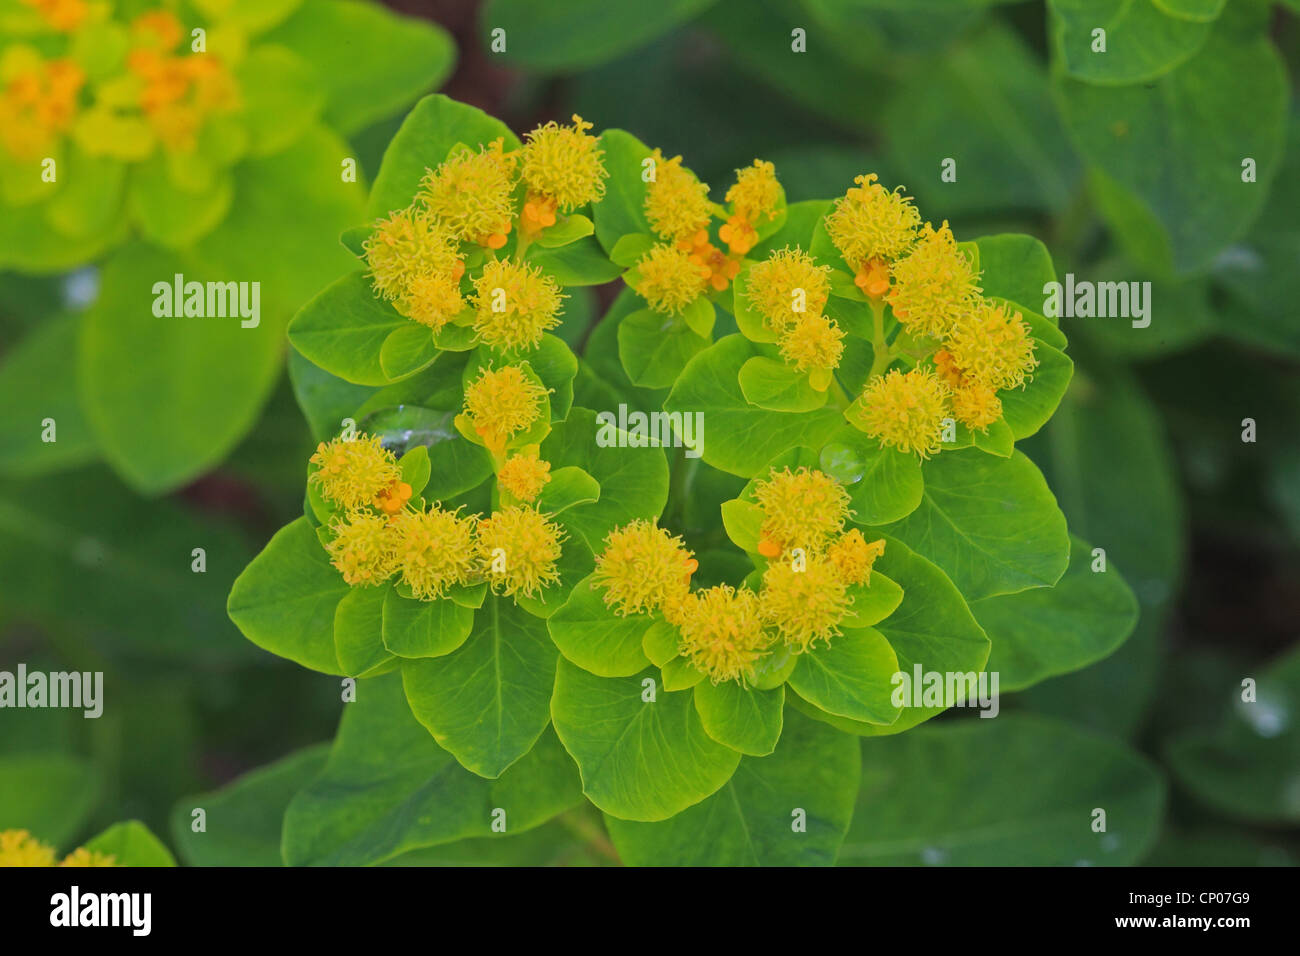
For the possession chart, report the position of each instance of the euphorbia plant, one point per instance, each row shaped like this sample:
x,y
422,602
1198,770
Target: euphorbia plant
x,y
689,628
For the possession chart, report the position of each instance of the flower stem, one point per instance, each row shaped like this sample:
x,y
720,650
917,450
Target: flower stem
x,y
883,355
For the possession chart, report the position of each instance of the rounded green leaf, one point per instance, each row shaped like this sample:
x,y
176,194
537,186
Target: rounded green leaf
x,y
407,349
285,600
358,631
852,677
488,701
639,759
282,97
1014,809
622,210
772,384
791,808
1141,42
569,486
654,348
343,330
414,629
131,844
884,484
48,794
742,718
591,635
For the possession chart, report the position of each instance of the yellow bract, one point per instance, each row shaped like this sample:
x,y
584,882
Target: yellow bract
x,y
905,411
524,476
62,15
801,509
433,299
501,403
564,164
472,193
853,557
756,193
992,346
351,473
870,222
407,245
935,285
976,406
20,848
812,341
514,304
669,279
805,602
722,633
676,203
642,567
519,549
362,549
433,550
38,102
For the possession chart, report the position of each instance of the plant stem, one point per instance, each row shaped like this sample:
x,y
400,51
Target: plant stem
x,y
882,354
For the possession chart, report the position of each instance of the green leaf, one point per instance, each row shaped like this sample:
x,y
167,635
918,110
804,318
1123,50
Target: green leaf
x,y
884,484
29,244
488,701
249,16
131,844
215,374
284,601
578,263
778,387
852,677
415,629
407,349
569,486
1026,410
1141,41
1246,767
281,97
371,61
621,212
988,793
751,323
991,523
48,794
638,760
576,34
430,130
811,778
629,249
37,381
358,632
244,818
679,674
91,197
344,328
1150,142
654,348
873,601
741,438
742,718
633,482
171,215
660,642
387,788
1015,267
1044,632
416,468
591,635
569,229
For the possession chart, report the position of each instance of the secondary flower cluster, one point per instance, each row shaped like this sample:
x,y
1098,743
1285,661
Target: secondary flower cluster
x,y
685,264
383,533
20,848
464,213
967,347
724,631
790,290
146,90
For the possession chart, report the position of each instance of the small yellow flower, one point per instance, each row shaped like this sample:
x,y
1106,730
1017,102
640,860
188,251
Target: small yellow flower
x,y
564,164
519,549
722,633
905,411
854,557
472,194
670,279
501,403
804,603
20,848
935,285
409,244
38,102
976,406
392,499
992,346
433,550
642,567
754,197
363,549
433,299
801,509
62,15
515,304
83,857
787,284
870,222
352,473
812,341
524,476
676,203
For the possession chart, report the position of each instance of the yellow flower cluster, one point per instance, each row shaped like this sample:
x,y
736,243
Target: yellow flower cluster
x,y
431,549
934,285
502,403
20,848
62,15
753,199
790,291
524,476
724,631
38,101
669,280
872,227
416,256
905,410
